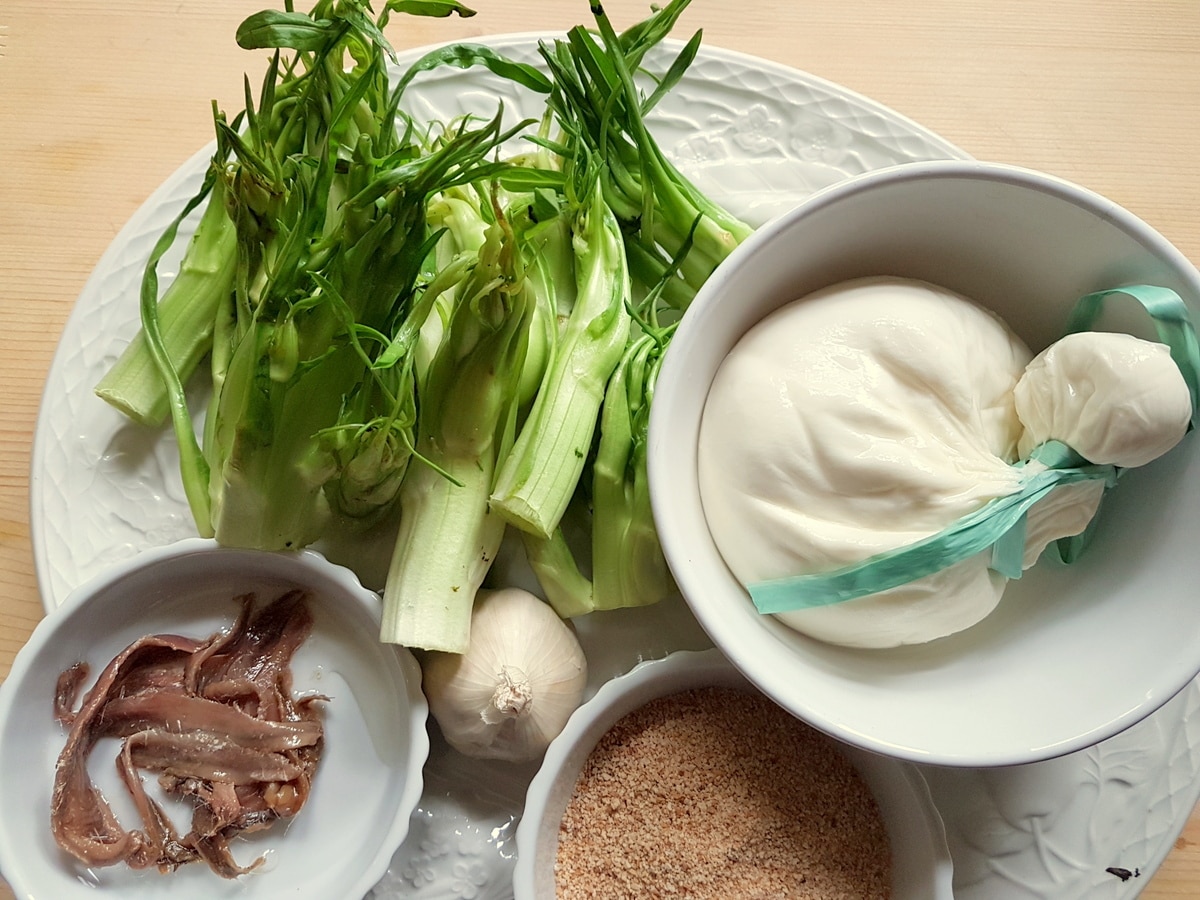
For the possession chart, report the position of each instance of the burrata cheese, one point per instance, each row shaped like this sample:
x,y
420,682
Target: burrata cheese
x,y
857,420
1113,398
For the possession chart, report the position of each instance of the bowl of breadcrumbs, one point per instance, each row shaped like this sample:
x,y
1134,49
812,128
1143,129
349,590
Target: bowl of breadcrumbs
x,y
681,780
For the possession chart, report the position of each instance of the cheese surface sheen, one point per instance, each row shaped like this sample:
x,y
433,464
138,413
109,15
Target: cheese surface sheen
x,y
1113,398
857,420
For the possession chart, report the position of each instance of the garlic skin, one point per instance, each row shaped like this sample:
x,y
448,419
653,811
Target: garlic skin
x,y
511,693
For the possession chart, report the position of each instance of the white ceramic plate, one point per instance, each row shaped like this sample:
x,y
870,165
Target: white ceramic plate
x,y
759,137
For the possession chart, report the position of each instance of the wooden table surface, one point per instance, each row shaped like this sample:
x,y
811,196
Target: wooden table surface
x,y
101,101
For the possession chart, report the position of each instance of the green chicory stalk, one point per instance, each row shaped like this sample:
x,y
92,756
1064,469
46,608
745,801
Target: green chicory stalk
x,y
626,557
455,213
275,466
532,192
673,238
567,589
448,536
396,319
597,104
539,476
186,316
323,186
628,567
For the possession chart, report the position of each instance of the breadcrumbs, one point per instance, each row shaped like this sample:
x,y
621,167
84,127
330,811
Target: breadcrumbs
x,y
718,793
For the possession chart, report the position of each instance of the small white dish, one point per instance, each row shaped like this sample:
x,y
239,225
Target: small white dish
x,y
921,866
1073,654
368,780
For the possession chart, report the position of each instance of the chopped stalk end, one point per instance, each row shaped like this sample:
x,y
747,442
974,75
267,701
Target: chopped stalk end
x,y
407,623
523,515
186,313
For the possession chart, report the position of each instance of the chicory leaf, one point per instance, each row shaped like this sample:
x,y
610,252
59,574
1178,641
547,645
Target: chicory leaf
x,y
275,29
464,56
437,8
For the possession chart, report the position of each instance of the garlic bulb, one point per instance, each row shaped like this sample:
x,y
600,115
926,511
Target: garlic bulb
x,y
517,684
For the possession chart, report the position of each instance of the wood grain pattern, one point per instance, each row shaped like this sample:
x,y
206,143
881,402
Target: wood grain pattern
x,y
99,102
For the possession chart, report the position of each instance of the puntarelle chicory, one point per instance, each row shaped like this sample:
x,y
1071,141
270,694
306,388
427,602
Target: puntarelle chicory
x,y
403,322
448,535
406,321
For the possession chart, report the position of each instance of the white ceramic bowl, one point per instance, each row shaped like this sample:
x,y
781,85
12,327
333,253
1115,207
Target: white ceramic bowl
x,y
1073,654
368,780
921,867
